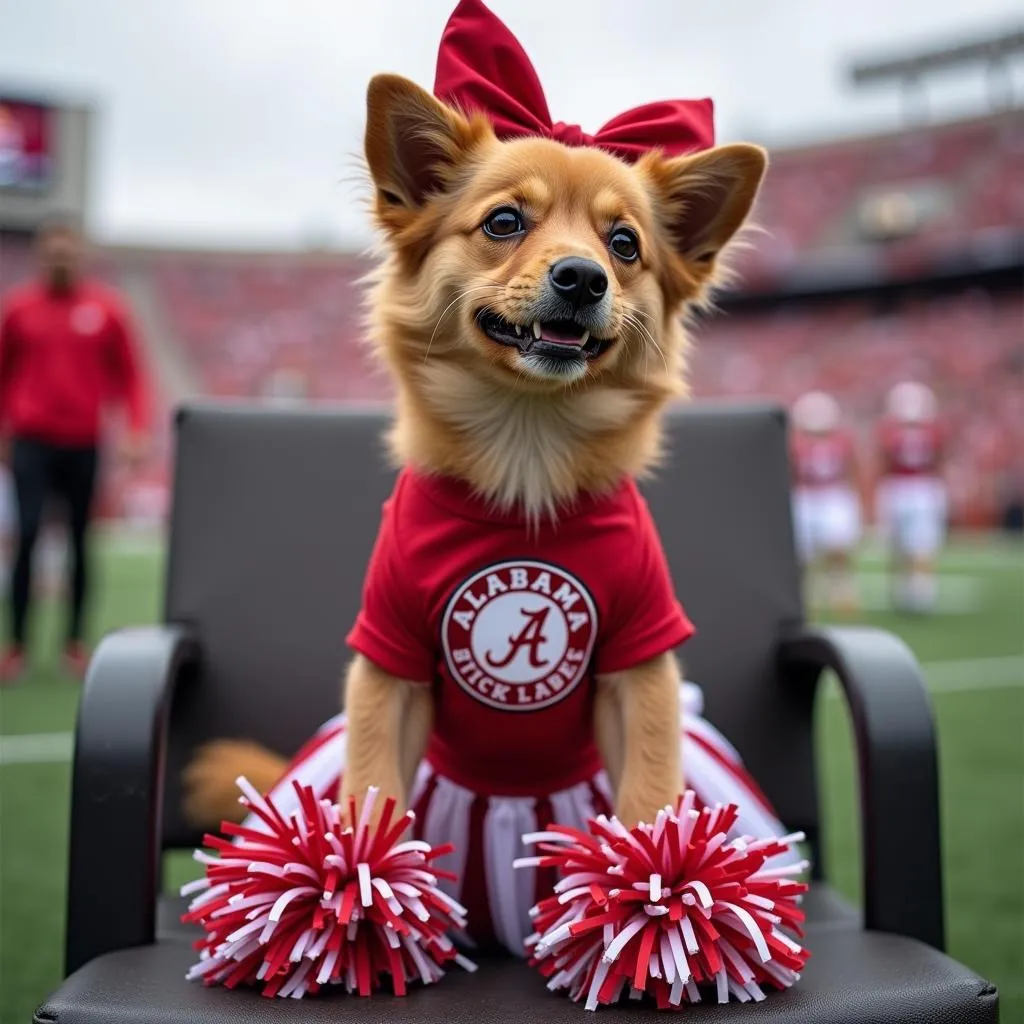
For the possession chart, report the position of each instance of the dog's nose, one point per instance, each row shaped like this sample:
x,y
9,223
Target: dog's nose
x,y
581,282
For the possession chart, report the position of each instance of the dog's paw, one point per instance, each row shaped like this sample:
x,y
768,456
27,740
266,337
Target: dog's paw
x,y
210,793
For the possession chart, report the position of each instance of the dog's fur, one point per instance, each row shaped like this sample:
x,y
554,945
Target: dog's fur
x,y
523,433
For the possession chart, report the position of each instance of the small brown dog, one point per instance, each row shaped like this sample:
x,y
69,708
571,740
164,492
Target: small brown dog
x,y
530,312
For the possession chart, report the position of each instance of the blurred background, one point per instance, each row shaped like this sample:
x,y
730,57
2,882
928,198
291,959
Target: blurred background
x,y
211,152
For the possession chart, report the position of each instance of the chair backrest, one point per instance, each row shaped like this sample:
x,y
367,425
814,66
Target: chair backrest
x,y
274,517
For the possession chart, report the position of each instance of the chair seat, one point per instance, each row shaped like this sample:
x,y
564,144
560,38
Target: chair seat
x,y
825,908
853,977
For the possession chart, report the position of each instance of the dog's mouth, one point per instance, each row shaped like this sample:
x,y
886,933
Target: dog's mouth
x,y
554,339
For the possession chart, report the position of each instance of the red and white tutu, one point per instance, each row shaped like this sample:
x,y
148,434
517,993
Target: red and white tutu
x,y
487,830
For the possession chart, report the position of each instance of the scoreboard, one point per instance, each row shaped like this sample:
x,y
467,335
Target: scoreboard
x,y
44,160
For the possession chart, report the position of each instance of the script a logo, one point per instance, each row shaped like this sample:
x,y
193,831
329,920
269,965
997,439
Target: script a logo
x,y
518,636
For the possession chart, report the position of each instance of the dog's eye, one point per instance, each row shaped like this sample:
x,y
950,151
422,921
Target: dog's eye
x,y
624,244
504,223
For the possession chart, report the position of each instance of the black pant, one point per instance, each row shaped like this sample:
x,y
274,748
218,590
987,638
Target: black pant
x,y
39,470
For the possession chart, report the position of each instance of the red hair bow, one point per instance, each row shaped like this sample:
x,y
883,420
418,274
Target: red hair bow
x,y
482,66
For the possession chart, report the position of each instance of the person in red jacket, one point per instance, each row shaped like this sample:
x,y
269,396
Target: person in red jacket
x,y
67,353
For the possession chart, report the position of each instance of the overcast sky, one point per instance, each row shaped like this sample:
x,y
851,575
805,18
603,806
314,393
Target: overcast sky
x,y
238,121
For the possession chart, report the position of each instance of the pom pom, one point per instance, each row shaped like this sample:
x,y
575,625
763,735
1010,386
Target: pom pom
x,y
310,902
665,908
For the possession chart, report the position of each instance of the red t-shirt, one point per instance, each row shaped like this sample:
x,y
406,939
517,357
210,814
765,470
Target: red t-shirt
x,y
511,623
63,357
910,449
820,460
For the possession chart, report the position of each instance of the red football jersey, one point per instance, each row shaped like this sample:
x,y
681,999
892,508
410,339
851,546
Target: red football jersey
x,y
510,623
63,358
910,449
822,459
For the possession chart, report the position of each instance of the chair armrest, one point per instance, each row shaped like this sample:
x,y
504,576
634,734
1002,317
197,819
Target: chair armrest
x,y
897,765
117,789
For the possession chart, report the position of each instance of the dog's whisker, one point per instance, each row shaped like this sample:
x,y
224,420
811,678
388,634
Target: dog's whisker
x,y
633,322
638,311
631,317
628,340
451,305
464,295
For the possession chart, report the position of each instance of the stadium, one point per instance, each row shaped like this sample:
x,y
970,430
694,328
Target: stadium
x,y
877,258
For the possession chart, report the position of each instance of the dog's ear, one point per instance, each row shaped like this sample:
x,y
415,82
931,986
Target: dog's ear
x,y
413,143
703,200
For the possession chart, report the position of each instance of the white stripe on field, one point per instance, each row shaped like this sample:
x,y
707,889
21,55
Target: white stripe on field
x,y
976,673
36,748
967,675
964,675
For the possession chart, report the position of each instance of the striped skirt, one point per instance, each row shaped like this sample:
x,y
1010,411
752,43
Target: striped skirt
x,y
487,831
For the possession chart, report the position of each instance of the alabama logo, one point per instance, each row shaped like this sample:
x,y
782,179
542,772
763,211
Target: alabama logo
x,y
518,636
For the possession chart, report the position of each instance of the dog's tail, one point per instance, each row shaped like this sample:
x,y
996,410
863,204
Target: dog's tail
x,y
210,793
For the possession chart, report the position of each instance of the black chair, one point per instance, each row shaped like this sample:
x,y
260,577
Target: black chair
x,y
274,515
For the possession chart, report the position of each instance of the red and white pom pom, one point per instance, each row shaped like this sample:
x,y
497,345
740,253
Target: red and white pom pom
x,y
309,902
665,908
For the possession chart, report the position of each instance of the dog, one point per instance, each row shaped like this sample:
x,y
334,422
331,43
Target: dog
x,y
531,313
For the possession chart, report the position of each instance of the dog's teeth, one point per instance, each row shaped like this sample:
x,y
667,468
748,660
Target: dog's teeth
x,y
519,330
536,329
585,338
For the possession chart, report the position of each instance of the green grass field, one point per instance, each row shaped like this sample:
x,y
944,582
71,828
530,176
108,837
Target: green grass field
x,y
973,652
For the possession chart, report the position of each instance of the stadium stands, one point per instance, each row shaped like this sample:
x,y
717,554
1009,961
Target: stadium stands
x,y
288,326
969,346
895,203
263,326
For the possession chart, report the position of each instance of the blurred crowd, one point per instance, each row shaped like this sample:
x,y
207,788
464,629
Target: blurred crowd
x,y
894,204
288,326
968,346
